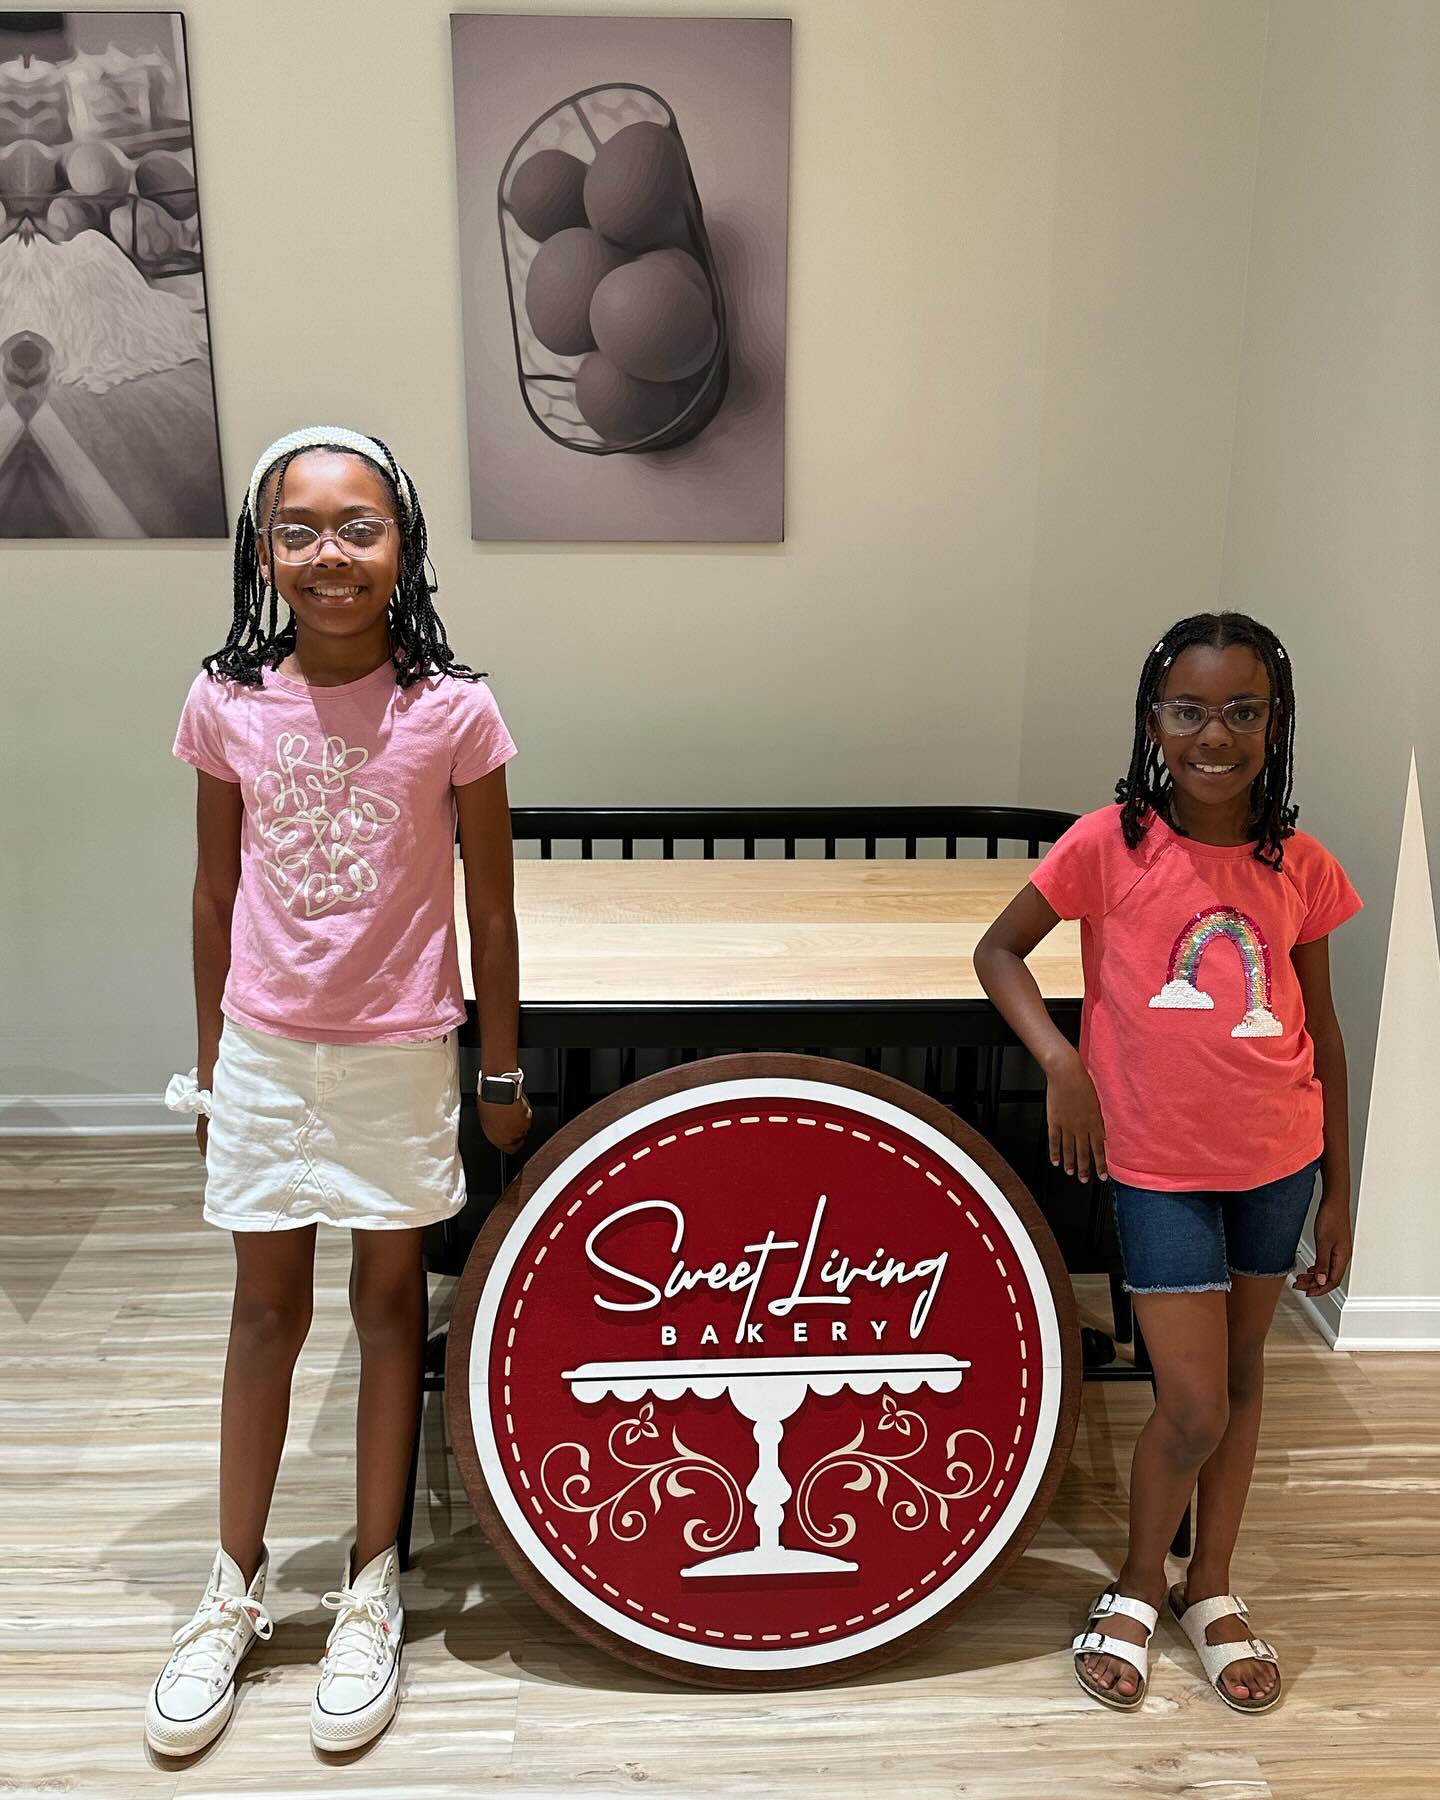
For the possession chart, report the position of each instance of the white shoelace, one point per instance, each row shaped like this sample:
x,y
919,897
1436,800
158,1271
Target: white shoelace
x,y
201,1643
359,1632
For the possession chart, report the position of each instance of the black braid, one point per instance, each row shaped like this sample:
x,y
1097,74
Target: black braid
x,y
1146,787
257,640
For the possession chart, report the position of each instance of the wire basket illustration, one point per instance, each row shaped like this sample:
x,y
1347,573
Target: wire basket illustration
x,y
655,378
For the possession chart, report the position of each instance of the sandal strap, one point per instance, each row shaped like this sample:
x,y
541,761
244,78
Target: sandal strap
x,y
1216,1658
1096,1643
1111,1602
1195,1619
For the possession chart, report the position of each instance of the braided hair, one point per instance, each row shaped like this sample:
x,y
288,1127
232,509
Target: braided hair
x,y
1147,788
258,641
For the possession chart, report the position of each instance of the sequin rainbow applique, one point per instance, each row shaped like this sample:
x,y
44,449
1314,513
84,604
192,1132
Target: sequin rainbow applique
x,y
1182,989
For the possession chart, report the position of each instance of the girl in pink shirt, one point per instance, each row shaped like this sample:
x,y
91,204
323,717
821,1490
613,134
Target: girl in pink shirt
x,y
1209,1089
337,753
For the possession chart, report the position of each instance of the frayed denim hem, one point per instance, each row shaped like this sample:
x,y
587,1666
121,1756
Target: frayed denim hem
x,y
1199,1287
1264,1274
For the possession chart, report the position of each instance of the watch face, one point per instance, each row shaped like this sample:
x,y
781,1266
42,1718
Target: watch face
x,y
498,1090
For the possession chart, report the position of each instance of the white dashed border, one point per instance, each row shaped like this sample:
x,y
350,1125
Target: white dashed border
x,y
886,1621
635,1156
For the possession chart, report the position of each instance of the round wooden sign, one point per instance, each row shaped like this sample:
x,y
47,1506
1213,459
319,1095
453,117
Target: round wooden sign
x,y
761,1369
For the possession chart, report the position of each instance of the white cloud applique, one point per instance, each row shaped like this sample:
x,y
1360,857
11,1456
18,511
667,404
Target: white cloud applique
x,y
313,819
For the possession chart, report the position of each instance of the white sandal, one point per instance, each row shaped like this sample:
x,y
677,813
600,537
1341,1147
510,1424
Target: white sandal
x,y
1092,1642
1217,1658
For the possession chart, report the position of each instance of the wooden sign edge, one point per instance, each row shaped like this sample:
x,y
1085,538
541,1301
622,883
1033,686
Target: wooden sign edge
x,y
471,1284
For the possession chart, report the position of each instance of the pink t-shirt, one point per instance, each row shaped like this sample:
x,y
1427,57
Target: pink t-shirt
x,y
344,928
1194,1024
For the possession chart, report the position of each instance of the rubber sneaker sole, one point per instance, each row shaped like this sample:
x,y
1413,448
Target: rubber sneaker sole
x,y
183,1737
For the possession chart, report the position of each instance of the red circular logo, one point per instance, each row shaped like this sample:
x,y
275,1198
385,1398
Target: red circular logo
x,y
766,1373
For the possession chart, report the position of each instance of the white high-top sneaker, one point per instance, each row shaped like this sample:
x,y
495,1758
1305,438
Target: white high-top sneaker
x,y
359,1683
194,1693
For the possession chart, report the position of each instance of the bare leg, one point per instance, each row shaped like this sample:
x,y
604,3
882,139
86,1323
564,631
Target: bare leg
x,y
1225,1479
387,1302
1187,1341
274,1287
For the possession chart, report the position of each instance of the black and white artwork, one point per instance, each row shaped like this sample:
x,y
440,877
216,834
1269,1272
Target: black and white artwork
x,y
107,402
624,190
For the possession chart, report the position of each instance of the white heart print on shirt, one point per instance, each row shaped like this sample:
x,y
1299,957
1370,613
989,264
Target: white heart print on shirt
x,y
313,817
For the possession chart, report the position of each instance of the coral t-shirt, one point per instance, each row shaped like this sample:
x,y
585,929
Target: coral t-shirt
x,y
344,925
1193,1027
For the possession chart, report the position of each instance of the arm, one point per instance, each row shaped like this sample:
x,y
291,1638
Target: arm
x,y
484,817
219,810
1333,1236
1077,1131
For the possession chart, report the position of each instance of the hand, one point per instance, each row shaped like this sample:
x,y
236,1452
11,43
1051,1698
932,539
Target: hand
x,y
1077,1130
506,1127
1334,1245
205,1080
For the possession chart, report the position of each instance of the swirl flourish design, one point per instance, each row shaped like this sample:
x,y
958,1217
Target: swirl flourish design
x,y
869,1470
627,1511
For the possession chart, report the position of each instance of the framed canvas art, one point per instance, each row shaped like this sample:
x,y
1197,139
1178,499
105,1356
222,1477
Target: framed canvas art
x,y
623,190
107,402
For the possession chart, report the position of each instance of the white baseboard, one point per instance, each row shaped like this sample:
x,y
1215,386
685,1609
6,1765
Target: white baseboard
x,y
1390,1322
1379,1322
90,1115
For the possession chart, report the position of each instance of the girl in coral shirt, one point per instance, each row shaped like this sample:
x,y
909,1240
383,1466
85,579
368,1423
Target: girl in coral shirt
x,y
1209,1089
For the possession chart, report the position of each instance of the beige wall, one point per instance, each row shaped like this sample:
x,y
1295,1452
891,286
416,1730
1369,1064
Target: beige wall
x,y
1100,312
1159,111
1240,411
874,656
1332,531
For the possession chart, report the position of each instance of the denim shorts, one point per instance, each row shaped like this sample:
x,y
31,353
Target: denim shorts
x,y
1191,1243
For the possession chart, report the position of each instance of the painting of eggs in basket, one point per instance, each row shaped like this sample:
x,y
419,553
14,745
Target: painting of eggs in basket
x,y
567,270
547,194
635,188
621,277
653,318
618,407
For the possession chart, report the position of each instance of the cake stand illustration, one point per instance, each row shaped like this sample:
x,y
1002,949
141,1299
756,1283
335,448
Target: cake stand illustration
x,y
767,1391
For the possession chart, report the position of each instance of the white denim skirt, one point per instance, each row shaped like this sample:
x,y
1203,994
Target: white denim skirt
x,y
360,1135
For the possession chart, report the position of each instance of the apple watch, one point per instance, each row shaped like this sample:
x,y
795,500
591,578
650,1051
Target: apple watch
x,y
502,1090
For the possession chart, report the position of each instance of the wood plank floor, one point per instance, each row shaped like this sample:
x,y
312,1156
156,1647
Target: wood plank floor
x,y
113,1305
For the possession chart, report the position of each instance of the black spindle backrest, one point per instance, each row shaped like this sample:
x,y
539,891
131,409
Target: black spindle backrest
x,y
789,828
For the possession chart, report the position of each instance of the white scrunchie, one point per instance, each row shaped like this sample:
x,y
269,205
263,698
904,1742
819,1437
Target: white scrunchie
x,y
316,437
185,1094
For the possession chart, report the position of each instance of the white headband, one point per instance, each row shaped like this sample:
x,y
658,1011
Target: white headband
x,y
317,437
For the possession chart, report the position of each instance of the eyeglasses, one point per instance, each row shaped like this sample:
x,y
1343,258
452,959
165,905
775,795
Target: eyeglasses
x,y
360,537
1184,718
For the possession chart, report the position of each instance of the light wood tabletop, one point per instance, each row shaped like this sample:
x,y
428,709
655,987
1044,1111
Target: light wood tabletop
x,y
612,932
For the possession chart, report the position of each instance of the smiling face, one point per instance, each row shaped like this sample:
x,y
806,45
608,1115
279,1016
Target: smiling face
x,y
1214,768
338,593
